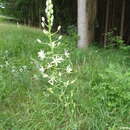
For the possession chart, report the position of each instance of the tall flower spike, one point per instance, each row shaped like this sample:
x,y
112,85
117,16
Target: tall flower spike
x,y
59,27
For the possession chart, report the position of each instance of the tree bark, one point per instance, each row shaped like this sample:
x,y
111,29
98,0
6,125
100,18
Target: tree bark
x,y
82,23
86,20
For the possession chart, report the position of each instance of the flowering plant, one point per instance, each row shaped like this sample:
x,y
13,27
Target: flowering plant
x,y
52,65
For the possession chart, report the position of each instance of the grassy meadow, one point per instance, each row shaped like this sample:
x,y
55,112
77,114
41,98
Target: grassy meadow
x,y
101,93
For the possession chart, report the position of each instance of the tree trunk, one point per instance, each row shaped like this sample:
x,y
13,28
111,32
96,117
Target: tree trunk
x,y
86,20
82,23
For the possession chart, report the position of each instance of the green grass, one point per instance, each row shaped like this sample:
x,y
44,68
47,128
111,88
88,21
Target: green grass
x,y
101,92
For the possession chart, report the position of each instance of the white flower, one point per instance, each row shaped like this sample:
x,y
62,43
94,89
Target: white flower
x,y
49,65
21,70
41,69
48,2
68,69
52,81
60,37
66,53
41,54
57,60
59,27
39,41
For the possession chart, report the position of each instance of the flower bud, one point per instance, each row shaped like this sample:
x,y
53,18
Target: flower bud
x,y
43,19
59,27
60,37
43,25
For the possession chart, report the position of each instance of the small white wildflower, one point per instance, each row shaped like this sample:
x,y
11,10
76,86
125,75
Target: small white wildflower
x,y
49,65
52,81
57,60
60,37
66,53
21,70
68,69
41,54
59,27
41,69
39,41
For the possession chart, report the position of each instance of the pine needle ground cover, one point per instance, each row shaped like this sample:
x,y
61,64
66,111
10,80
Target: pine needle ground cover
x,y
98,100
